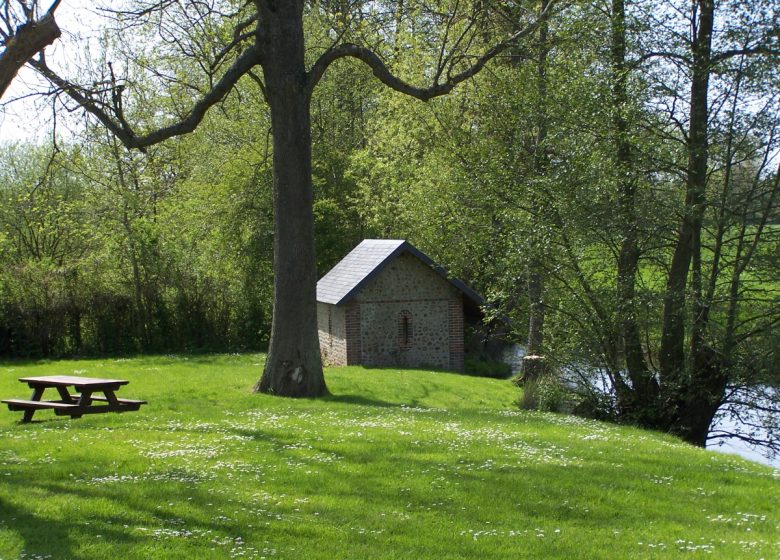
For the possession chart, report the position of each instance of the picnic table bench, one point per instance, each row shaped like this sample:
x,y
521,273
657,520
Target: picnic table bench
x,y
77,404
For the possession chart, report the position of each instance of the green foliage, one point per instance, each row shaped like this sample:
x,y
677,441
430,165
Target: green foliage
x,y
487,368
546,394
339,116
112,252
411,464
517,174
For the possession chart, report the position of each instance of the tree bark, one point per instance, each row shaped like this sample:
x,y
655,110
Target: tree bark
x,y
293,367
29,39
672,356
638,400
536,311
695,388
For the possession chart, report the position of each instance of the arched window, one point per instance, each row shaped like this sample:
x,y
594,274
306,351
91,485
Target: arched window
x,y
405,331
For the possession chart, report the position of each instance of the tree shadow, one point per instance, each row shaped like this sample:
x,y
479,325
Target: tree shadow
x,y
361,400
47,536
37,533
42,533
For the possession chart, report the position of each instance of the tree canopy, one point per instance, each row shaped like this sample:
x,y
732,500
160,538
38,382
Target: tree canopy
x,y
606,173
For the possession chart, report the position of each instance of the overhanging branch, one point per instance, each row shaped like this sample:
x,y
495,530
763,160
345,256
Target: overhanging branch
x,y
119,126
28,39
383,73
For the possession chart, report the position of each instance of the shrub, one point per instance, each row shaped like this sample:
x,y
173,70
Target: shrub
x,y
546,394
487,368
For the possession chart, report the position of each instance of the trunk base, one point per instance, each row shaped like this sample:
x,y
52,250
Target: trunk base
x,y
289,379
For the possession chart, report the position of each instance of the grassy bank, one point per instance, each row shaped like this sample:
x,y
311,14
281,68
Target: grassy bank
x,y
396,464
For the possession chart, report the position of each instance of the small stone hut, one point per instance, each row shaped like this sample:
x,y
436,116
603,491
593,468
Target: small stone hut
x,y
387,304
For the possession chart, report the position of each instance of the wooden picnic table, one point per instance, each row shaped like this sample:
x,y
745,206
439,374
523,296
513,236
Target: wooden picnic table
x,y
77,404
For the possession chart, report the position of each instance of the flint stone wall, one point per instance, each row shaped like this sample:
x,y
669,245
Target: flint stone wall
x,y
407,316
331,327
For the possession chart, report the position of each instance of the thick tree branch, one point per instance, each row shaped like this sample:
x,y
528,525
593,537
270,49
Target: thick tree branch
x,y
383,73
749,51
661,54
239,38
119,126
28,39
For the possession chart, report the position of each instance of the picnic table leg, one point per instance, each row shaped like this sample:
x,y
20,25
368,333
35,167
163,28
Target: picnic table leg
x,y
85,399
64,395
111,397
36,396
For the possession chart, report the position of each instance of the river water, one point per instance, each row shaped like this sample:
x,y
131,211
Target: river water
x,y
723,423
739,447
758,429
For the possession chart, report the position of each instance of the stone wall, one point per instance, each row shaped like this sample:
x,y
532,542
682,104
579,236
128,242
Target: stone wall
x,y
410,316
331,327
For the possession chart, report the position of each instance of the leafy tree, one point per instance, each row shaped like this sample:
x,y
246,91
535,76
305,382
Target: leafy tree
x,y
44,243
680,384
691,383
272,36
463,180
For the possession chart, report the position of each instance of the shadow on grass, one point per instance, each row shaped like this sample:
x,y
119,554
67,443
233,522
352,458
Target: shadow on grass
x,y
361,400
80,515
436,370
54,536
38,535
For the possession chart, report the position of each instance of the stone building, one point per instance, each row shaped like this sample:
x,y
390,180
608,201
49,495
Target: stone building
x,y
387,304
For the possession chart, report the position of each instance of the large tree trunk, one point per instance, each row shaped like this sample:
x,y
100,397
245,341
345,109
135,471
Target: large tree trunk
x,y
534,363
293,367
638,400
696,387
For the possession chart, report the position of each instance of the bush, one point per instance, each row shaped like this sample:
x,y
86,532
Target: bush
x,y
546,394
486,368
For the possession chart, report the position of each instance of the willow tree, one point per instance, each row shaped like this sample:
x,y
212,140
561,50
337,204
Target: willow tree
x,y
273,43
711,146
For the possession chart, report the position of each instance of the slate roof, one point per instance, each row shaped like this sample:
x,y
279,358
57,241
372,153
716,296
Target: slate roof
x,y
367,260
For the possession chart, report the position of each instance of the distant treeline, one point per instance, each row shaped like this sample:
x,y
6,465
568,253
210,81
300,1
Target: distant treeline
x,y
111,255
109,323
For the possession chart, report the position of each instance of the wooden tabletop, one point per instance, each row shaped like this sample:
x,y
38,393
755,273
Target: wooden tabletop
x,y
67,380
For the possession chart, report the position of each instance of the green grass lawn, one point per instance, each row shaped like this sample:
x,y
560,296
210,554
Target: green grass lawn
x,y
396,464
